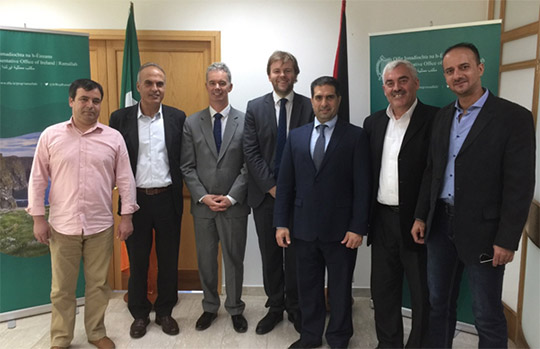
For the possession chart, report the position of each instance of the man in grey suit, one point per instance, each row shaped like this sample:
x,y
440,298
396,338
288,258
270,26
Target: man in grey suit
x,y
215,174
268,120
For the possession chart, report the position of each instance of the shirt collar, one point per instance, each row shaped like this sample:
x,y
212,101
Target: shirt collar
x,y
405,116
476,105
277,98
157,115
225,112
331,124
91,129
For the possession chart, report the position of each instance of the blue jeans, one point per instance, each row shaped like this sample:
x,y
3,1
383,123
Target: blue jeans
x,y
444,269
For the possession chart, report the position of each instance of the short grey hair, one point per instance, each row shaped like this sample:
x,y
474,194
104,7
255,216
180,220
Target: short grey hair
x,y
394,64
219,66
146,65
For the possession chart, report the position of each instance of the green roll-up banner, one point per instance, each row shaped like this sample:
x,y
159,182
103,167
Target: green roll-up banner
x,y
424,47
36,69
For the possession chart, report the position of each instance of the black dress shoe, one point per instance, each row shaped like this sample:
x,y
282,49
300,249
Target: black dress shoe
x,y
168,324
239,323
205,321
296,319
303,345
268,322
138,327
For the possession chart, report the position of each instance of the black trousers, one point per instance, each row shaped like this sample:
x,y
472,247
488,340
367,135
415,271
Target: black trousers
x,y
279,264
157,212
391,260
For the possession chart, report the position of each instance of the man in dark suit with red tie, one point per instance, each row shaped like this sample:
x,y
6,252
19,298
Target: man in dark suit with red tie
x,y
322,206
268,120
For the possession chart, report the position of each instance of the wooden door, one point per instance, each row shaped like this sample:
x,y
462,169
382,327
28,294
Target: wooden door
x,y
184,56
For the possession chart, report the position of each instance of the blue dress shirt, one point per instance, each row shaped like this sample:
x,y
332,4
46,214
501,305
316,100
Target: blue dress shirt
x,y
458,133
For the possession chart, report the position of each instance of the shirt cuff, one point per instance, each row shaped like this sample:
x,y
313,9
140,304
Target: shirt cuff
x,y
232,200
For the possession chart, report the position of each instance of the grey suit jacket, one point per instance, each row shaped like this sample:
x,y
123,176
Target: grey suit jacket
x,y
207,172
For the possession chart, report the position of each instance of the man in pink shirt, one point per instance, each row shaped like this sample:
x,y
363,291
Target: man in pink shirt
x,y
83,160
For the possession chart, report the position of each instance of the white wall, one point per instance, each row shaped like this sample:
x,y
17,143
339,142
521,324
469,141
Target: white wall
x,y
250,32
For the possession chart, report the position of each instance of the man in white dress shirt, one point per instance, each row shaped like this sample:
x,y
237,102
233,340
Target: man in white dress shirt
x,y
153,135
399,137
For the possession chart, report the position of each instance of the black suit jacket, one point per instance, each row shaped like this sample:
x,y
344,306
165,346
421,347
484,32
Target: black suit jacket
x,y
494,177
411,163
333,200
125,121
260,131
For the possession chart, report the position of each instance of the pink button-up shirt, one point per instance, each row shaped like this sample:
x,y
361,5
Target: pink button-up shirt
x,y
83,169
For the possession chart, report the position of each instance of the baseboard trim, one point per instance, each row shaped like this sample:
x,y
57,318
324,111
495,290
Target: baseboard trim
x,y
515,332
259,291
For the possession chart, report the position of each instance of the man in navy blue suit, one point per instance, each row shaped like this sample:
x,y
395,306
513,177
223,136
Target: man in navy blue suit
x,y
324,184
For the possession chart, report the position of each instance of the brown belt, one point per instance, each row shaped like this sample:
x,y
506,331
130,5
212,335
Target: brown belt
x,y
154,191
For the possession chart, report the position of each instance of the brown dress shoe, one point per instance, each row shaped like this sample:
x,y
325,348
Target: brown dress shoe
x,y
168,324
103,343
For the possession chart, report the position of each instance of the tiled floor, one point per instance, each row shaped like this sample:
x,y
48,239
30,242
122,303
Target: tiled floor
x,y
33,332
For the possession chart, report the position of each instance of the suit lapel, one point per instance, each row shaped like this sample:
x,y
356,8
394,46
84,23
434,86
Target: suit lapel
x,y
167,129
416,123
208,132
379,129
483,118
446,127
133,134
337,135
270,117
295,113
230,129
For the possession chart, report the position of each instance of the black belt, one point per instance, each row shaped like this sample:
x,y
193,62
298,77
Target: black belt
x,y
154,191
448,208
394,209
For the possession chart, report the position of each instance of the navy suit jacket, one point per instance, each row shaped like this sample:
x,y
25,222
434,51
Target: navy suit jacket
x,y
411,163
260,133
125,121
333,200
494,177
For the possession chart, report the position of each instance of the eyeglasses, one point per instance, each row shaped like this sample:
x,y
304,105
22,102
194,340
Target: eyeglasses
x,y
485,258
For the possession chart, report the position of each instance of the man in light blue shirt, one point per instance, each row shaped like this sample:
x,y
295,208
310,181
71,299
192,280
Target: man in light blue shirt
x,y
474,200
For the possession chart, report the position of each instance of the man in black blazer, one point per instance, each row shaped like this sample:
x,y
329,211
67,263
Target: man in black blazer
x,y
153,135
268,119
399,139
474,200
322,202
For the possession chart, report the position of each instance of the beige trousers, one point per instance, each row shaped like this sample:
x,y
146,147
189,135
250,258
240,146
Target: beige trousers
x,y
66,253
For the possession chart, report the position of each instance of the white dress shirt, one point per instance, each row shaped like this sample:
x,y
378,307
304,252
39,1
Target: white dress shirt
x,y
152,161
388,193
224,116
288,107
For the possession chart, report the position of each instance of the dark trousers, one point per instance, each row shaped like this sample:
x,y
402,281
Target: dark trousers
x,y
314,257
391,259
157,212
279,264
444,277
